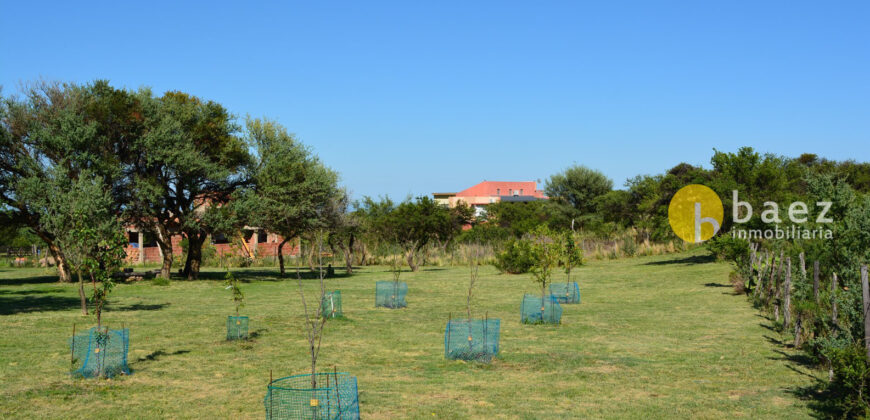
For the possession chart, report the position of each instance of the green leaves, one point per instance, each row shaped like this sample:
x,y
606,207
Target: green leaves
x,y
232,283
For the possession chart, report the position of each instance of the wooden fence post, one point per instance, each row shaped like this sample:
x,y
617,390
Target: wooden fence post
x,y
816,281
760,274
777,295
786,304
865,288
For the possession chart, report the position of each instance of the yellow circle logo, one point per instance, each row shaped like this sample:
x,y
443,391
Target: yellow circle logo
x,y
695,213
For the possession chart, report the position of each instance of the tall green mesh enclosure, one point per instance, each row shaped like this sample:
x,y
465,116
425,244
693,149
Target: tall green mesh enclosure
x,y
536,310
391,294
335,397
472,340
100,353
566,292
237,327
330,305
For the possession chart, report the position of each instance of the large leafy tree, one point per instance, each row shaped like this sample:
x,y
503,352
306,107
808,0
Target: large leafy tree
x,y
66,127
413,224
578,186
184,167
292,192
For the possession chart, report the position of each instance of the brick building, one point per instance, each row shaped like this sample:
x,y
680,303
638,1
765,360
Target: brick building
x,y
142,248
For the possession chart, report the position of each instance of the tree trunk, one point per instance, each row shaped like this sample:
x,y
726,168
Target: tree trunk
x,y
98,302
281,255
412,260
311,258
63,271
797,332
786,304
363,259
816,280
194,255
348,258
164,242
82,297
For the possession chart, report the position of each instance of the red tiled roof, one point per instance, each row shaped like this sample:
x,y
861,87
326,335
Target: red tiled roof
x,y
499,188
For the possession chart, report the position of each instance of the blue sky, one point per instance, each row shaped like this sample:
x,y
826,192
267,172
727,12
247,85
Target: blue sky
x,y
413,97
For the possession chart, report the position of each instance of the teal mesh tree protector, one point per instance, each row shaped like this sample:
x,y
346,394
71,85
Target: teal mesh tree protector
x,y
566,292
100,353
391,294
537,310
330,305
335,397
474,340
237,327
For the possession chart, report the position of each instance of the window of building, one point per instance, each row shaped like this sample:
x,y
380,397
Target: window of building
x,y
219,238
149,240
133,238
521,191
261,237
498,191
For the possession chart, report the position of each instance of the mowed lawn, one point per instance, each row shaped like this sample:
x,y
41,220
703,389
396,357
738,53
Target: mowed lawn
x,y
654,337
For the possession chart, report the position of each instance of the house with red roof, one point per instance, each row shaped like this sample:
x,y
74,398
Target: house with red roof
x,y
488,192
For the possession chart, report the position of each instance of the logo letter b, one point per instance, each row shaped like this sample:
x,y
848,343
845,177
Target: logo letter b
x,y
737,204
701,220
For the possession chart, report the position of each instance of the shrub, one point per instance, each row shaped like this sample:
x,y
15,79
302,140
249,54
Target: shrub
x,y
728,248
516,257
160,281
738,282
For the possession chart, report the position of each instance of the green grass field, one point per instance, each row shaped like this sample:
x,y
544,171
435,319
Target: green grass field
x,y
654,337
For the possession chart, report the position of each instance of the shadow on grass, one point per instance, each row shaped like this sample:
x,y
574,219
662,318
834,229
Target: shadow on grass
x,y
139,307
30,292
257,333
800,359
821,399
10,305
695,259
247,276
24,304
28,280
717,285
160,353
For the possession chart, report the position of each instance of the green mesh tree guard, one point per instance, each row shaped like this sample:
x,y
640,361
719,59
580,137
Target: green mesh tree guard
x,y
566,292
391,294
536,312
100,353
330,305
475,340
335,397
237,327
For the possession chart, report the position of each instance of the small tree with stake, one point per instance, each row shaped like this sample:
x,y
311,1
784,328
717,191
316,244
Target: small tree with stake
x,y
545,254
317,395
480,343
78,211
570,256
237,326
391,294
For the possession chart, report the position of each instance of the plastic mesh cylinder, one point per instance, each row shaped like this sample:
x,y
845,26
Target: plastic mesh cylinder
x,y
566,292
391,294
334,397
330,305
100,353
536,310
474,340
237,328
